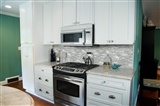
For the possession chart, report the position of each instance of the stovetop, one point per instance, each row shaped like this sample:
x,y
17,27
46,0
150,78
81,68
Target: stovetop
x,y
74,67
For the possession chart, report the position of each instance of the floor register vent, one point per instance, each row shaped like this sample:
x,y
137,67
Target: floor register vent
x,y
12,79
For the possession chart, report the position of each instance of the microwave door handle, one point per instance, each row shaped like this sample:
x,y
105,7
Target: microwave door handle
x,y
84,37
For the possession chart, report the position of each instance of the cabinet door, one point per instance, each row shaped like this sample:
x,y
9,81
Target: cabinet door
x,y
69,12
27,67
120,22
94,103
26,23
84,11
116,24
52,22
102,11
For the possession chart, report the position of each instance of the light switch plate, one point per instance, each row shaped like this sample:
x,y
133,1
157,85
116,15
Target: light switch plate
x,y
19,48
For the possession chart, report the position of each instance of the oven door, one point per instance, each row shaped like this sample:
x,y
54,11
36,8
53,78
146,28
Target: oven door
x,y
70,89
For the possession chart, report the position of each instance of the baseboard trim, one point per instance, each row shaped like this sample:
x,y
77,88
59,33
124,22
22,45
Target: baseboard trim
x,y
6,80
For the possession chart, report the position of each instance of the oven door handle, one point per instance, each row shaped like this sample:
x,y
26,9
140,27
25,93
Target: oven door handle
x,y
73,80
68,79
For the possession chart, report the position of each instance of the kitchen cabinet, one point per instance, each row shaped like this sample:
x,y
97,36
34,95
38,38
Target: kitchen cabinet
x,y
116,24
33,51
77,12
44,81
27,67
107,91
52,22
26,23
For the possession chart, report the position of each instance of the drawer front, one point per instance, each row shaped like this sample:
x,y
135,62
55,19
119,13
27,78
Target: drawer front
x,y
94,103
106,94
45,92
43,69
45,79
108,81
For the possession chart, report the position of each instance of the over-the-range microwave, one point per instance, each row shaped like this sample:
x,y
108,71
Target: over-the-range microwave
x,y
78,35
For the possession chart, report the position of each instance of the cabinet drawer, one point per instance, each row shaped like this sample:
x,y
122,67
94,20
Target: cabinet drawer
x,y
45,92
45,79
105,94
94,103
43,69
108,81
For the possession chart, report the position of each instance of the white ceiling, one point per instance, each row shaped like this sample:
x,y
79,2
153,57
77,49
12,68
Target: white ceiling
x,y
14,11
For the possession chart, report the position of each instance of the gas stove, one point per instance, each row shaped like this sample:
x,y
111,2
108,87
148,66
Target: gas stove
x,y
74,67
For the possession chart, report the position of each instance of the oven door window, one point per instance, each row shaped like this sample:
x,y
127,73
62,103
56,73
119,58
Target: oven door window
x,y
68,88
72,37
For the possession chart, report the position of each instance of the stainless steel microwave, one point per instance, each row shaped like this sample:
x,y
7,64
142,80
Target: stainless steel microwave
x,y
77,35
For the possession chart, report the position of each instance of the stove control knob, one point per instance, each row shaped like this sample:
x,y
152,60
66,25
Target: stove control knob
x,y
57,67
81,71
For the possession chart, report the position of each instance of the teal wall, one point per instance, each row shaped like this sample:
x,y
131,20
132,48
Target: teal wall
x,y
137,47
157,45
10,60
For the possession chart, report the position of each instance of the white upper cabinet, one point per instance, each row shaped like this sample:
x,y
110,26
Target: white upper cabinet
x,y
114,22
85,11
77,12
101,22
52,22
26,23
69,12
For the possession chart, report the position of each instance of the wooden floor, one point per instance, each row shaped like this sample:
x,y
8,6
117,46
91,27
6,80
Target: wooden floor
x,y
148,101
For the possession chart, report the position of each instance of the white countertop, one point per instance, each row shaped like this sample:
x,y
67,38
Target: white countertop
x,y
123,73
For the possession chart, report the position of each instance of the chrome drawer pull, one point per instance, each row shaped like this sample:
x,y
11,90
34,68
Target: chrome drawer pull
x,y
46,80
47,92
97,93
40,90
40,78
42,70
103,82
112,97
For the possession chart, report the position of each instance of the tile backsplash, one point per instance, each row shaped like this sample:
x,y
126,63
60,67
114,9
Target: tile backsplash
x,y
120,54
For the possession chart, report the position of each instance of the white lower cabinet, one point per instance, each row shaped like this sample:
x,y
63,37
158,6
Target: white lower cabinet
x,y
44,81
100,92
95,103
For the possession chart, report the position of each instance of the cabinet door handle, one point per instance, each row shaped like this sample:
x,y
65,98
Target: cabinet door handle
x,y
42,70
103,82
40,90
51,42
74,22
111,41
112,97
46,80
97,93
40,78
47,92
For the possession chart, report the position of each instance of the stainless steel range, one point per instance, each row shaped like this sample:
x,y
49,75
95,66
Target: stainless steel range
x,y
70,83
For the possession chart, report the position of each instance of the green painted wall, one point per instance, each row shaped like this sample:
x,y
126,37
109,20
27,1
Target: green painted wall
x,y
157,45
10,60
137,47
